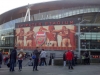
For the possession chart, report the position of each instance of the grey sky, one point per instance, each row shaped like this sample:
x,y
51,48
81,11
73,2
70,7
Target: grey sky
x,y
6,5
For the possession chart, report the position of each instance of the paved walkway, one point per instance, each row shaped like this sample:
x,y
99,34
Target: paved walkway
x,y
93,69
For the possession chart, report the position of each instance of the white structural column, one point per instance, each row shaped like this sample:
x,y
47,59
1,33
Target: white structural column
x,y
79,33
27,13
79,40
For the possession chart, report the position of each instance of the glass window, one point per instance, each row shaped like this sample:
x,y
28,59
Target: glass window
x,y
70,13
93,35
59,15
81,11
77,11
89,10
6,38
92,9
66,14
90,44
96,9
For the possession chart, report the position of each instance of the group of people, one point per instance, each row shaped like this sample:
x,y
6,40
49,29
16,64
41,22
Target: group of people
x,y
14,56
36,55
20,57
70,58
86,58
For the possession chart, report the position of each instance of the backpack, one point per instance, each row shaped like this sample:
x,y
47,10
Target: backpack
x,y
34,56
20,55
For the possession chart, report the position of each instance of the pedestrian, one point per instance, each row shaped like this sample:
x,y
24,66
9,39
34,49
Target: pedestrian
x,y
20,59
83,59
43,56
1,58
13,56
30,62
36,53
73,60
69,57
64,59
50,60
6,60
87,57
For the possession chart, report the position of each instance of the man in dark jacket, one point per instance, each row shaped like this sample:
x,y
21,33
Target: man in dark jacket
x,y
87,58
13,56
73,60
36,53
64,59
1,57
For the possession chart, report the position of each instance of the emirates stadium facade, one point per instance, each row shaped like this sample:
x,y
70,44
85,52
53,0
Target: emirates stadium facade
x,y
82,18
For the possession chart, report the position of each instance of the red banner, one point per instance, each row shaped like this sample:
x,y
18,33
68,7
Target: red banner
x,y
52,37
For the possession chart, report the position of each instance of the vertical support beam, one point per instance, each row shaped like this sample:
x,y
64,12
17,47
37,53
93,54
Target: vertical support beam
x,y
79,40
95,18
83,20
9,51
27,13
25,16
52,62
3,51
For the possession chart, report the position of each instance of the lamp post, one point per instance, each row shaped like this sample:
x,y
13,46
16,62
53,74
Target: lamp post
x,y
79,33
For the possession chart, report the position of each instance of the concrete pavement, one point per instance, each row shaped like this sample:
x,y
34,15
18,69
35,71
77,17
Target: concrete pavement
x,y
93,69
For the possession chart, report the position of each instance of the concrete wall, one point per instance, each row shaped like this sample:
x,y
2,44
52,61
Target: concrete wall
x,y
60,61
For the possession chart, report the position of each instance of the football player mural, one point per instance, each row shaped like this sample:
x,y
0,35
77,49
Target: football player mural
x,y
30,37
58,36
19,37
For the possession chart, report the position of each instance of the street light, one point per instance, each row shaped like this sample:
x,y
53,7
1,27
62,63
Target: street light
x,y
79,33
48,45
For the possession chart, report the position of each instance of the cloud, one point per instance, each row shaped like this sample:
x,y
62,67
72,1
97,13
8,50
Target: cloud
x,y
6,5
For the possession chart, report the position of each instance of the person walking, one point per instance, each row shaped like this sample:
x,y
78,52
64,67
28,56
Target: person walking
x,y
51,58
73,60
13,56
20,59
36,53
1,58
43,55
83,59
69,57
87,57
64,59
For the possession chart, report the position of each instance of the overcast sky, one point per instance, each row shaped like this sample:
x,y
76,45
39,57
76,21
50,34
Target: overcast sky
x,y
6,5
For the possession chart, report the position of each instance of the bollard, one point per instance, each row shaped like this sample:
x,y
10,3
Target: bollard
x,y
52,62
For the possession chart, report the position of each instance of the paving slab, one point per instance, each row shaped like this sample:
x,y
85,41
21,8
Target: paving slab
x,y
93,69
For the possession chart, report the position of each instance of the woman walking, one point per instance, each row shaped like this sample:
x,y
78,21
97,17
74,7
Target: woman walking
x,y
1,57
20,59
64,59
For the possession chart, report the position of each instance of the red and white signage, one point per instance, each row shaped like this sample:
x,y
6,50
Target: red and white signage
x,y
40,38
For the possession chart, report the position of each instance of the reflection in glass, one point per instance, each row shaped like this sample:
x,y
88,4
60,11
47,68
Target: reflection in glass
x,y
7,38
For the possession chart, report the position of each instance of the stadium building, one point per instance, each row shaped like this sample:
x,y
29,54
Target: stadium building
x,y
80,18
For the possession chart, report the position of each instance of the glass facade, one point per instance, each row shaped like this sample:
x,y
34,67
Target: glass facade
x,y
54,14
7,38
89,39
